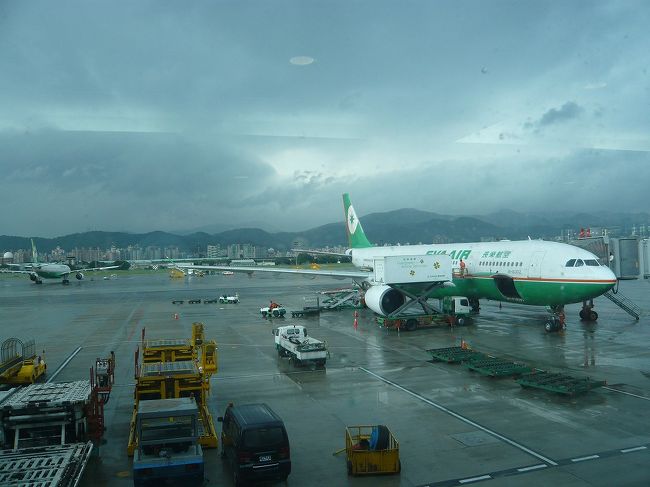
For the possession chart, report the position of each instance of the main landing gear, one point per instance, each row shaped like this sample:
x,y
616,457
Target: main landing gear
x,y
65,282
587,312
556,322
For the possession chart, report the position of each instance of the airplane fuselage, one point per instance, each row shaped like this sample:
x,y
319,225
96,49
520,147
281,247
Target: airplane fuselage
x,y
50,271
532,272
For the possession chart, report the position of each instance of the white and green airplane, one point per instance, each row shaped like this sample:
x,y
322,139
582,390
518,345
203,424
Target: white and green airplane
x,y
529,272
39,271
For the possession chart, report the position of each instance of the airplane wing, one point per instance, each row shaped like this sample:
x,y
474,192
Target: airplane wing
x,y
6,271
320,252
95,268
355,274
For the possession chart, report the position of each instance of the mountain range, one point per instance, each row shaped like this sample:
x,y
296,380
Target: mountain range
x,y
404,226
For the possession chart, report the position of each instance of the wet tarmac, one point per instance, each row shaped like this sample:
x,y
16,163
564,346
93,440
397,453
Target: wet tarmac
x,y
455,427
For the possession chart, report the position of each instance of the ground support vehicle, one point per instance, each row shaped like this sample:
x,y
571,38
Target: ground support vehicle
x,y
211,301
292,341
276,312
19,363
306,311
255,443
194,301
178,301
234,299
48,431
411,322
181,349
175,368
371,450
168,448
453,311
350,298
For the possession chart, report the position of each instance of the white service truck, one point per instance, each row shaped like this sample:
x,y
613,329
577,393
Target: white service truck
x,y
292,341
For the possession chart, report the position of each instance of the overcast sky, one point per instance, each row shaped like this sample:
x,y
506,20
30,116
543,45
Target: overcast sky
x,y
166,115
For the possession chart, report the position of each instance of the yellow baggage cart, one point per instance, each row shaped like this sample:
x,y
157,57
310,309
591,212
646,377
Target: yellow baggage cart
x,y
371,450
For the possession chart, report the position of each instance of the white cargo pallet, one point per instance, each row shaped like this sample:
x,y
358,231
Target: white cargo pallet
x,y
50,466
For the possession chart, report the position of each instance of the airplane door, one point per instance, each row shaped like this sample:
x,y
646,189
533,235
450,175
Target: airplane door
x,y
535,266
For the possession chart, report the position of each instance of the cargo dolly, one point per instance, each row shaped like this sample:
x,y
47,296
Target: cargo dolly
x,y
559,383
50,466
495,367
306,311
453,355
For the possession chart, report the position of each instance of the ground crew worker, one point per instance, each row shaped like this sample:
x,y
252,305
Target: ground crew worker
x,y
462,268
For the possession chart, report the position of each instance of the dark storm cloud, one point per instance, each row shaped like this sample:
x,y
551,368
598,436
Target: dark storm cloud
x,y
569,111
163,115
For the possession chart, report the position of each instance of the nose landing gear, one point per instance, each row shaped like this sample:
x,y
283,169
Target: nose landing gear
x,y
587,312
556,322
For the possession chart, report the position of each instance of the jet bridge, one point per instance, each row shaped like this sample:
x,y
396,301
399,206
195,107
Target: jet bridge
x,y
627,257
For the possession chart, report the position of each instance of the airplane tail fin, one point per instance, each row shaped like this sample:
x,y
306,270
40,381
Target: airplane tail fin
x,y
34,253
356,238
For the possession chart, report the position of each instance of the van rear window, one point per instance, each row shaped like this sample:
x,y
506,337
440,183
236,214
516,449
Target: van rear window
x,y
263,437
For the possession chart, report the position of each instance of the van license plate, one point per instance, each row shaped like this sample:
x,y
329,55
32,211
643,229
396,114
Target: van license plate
x,y
265,458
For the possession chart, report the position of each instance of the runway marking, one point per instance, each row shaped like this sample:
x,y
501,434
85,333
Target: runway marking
x,y
638,448
462,418
582,459
274,374
626,393
532,467
67,361
475,479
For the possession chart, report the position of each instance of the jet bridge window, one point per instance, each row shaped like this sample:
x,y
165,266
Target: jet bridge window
x,y
571,263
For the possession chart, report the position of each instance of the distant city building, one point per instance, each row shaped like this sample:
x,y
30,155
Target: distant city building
x,y
246,251
215,251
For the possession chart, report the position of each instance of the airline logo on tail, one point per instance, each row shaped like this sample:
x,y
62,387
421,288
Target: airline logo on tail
x,y
353,221
357,239
34,253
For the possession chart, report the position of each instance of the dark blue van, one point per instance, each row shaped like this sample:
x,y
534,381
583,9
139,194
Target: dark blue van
x,y
255,443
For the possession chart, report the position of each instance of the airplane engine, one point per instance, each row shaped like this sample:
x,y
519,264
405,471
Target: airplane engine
x,y
33,277
384,299
79,275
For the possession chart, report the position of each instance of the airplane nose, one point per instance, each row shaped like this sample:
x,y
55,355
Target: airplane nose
x,y
608,275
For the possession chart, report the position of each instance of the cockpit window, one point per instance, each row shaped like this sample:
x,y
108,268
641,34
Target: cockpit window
x,y
571,263
579,263
592,263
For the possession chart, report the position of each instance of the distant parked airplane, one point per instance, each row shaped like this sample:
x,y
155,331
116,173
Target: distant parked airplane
x,y
37,272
